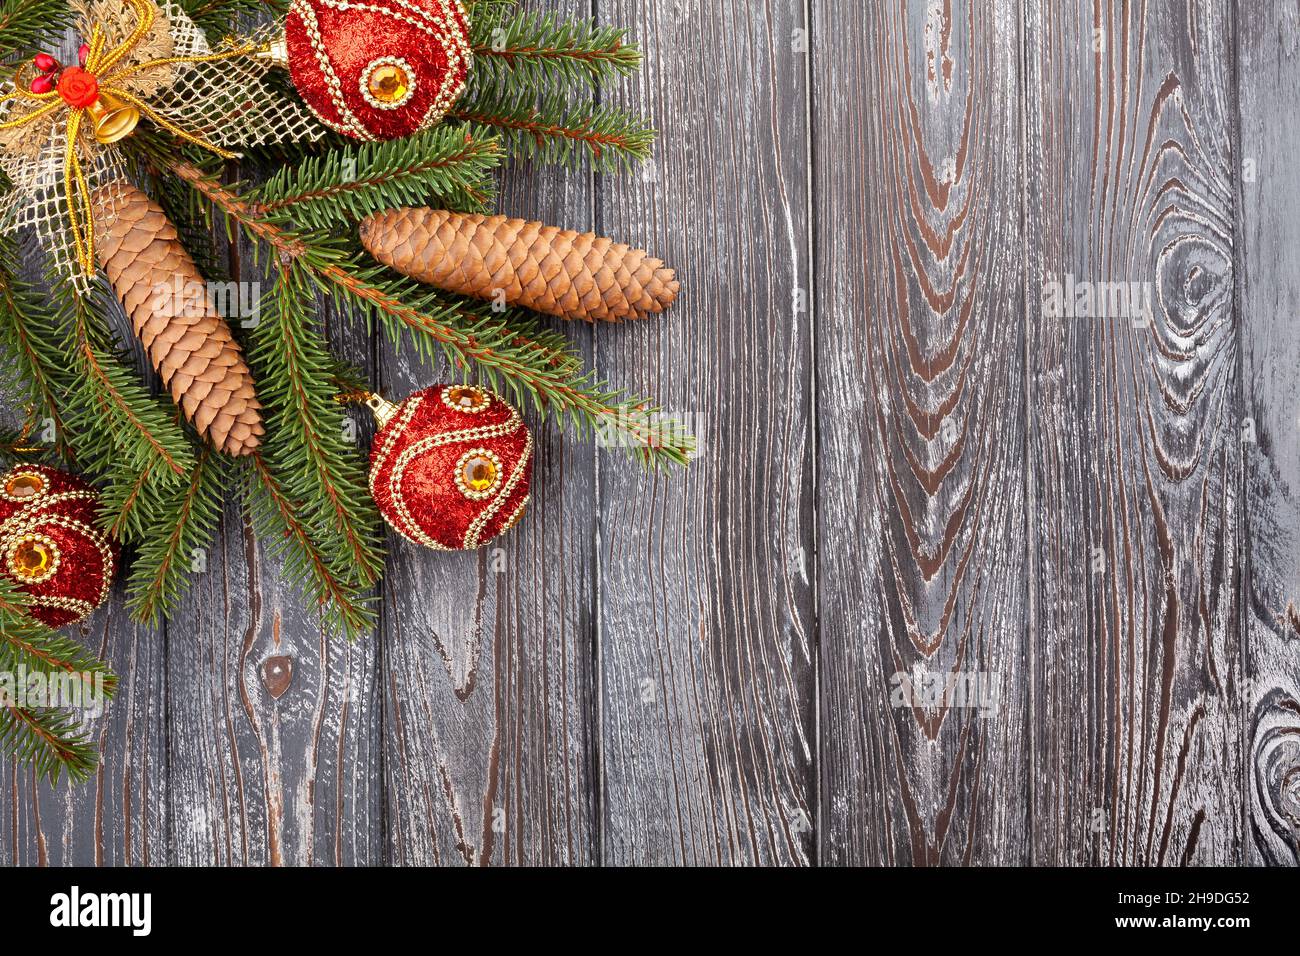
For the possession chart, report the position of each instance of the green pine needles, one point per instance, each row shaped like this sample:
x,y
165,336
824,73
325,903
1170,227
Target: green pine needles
x,y
26,23
534,94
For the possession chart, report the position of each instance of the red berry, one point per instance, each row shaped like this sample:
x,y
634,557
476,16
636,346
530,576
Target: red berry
x,y
46,63
42,84
83,53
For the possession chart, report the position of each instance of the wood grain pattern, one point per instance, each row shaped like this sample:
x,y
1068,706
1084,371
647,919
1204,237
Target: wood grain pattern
x,y
1135,453
705,615
1268,269
911,471
921,435
273,727
119,816
488,656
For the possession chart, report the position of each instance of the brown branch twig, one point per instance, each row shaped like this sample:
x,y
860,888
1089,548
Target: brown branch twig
x,y
598,142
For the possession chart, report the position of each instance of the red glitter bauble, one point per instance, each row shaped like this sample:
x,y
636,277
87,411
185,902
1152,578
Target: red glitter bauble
x,y
50,544
381,69
451,467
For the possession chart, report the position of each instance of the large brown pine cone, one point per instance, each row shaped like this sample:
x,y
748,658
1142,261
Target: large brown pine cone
x,y
189,344
555,271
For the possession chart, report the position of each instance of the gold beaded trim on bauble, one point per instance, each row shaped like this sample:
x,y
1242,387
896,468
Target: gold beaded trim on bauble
x,y
398,427
478,524
482,401
514,518
440,25
76,605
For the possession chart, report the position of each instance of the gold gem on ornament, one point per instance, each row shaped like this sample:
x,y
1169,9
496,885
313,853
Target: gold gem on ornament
x,y
24,486
466,398
388,83
478,474
33,558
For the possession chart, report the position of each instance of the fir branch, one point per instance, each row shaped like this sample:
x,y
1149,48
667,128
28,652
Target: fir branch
x,y
32,648
280,521
113,419
465,333
52,742
318,468
124,498
134,504
184,523
38,366
488,342
483,11
445,166
218,17
555,131
25,24
29,644
119,398
546,53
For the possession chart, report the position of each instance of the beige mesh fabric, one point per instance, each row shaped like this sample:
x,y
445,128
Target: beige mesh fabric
x,y
227,103
39,200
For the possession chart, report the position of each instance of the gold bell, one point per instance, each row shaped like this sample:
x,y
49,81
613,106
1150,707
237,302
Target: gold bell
x,y
112,120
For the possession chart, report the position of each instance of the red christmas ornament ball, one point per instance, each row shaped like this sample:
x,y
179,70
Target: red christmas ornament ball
x,y
379,69
451,467
50,544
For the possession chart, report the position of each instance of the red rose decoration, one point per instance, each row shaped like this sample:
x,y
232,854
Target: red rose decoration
x,y
451,468
378,70
50,544
78,88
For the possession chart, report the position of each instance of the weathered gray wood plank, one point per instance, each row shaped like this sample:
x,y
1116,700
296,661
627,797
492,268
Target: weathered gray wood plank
x,y
708,732
488,674
1135,462
273,726
119,816
921,439
1268,271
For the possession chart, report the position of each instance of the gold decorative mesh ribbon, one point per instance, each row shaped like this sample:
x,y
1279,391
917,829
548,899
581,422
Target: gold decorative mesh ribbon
x,y
155,60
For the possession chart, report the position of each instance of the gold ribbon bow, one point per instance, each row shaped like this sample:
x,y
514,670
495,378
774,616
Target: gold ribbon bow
x,y
104,65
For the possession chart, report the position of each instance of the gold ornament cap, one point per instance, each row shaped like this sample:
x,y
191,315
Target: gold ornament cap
x,y
383,410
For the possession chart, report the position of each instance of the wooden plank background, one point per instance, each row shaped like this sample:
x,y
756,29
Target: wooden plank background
x,y
913,469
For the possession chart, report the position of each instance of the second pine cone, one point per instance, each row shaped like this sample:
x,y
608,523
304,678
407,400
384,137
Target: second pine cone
x,y
554,271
